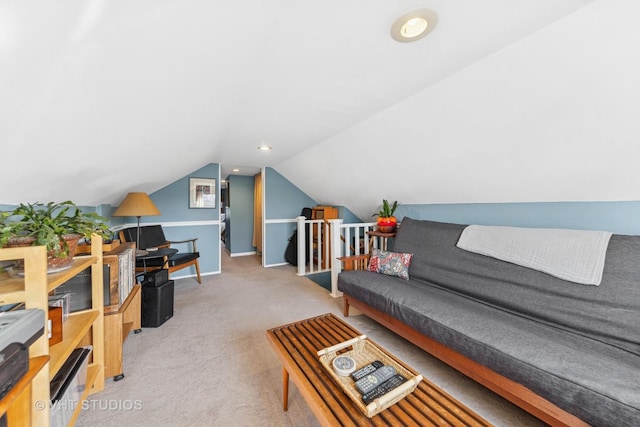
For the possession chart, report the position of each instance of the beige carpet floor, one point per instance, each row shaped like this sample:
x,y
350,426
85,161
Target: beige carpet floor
x,y
211,364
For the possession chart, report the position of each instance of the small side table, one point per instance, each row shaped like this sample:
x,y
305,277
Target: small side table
x,y
157,253
383,238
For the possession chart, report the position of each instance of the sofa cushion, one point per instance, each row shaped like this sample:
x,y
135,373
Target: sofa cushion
x,y
608,313
390,263
583,376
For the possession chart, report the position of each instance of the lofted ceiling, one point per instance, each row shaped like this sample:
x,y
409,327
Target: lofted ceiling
x,y
506,100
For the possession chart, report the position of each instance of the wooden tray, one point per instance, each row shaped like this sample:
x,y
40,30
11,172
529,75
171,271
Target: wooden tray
x,y
364,352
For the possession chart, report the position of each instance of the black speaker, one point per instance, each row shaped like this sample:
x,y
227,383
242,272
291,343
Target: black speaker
x,y
155,277
157,304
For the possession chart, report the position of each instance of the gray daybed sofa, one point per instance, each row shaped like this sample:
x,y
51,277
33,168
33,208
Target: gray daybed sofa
x,y
567,353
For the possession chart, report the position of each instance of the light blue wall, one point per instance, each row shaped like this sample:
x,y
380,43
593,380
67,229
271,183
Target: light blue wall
x,y
283,200
180,222
349,217
277,239
617,217
99,209
103,210
173,200
239,234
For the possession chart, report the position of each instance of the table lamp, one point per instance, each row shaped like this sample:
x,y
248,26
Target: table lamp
x,y
137,204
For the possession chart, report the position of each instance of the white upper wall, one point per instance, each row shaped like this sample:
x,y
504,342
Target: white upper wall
x,y
550,118
506,100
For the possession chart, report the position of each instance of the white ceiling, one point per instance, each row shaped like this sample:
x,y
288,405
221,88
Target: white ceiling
x,y
506,100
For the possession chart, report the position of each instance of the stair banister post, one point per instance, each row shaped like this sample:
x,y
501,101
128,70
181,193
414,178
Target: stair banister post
x,y
336,251
302,235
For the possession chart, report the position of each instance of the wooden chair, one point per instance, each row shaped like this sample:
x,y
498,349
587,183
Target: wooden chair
x,y
152,236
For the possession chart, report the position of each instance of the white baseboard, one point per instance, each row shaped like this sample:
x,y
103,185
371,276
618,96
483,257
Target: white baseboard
x,y
277,265
243,254
210,273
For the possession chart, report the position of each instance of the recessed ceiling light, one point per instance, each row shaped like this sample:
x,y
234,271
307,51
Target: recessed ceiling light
x,y
264,147
414,25
235,170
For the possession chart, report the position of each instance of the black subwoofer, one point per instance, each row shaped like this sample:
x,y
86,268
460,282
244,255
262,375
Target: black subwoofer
x,y
155,277
157,304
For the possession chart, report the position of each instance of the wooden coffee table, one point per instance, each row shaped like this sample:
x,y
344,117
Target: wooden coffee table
x,y
297,344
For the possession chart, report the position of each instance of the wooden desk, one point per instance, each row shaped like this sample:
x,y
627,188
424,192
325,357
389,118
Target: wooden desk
x,y
297,344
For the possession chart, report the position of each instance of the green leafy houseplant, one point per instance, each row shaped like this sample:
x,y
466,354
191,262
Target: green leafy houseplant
x,y
58,226
386,222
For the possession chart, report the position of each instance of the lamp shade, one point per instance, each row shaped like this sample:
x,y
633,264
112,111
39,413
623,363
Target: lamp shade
x,y
137,204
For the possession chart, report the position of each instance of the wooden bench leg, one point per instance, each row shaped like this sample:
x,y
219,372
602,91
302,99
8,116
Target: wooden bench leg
x,y
285,389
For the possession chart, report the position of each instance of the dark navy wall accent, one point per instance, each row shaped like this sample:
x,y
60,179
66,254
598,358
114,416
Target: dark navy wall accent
x,y
617,217
323,279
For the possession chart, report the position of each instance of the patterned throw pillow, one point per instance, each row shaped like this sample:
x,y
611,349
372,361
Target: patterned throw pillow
x,y
390,263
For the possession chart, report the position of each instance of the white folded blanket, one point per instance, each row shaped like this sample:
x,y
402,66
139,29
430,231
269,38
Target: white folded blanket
x,y
574,255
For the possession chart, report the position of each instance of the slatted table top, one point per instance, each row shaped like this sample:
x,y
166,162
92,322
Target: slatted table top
x,y
297,344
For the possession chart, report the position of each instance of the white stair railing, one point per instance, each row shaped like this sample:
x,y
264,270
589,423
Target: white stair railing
x,y
343,239
348,240
314,252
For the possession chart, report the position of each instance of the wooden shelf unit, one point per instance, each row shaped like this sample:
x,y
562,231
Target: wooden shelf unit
x,y
119,319
17,403
80,328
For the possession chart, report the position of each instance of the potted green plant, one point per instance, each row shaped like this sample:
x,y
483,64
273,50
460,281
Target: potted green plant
x,y
58,226
386,222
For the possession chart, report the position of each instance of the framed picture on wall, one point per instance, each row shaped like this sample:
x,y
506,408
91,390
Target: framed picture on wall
x,y
202,193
